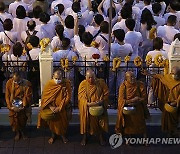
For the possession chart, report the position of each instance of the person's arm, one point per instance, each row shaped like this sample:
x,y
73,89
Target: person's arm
x,y
100,7
89,5
76,26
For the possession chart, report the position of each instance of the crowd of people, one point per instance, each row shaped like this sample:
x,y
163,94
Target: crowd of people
x,y
82,29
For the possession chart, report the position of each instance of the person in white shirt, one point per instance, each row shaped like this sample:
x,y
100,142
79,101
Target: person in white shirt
x,y
3,15
13,6
8,36
34,52
85,50
46,29
94,29
168,31
139,4
58,16
20,22
29,3
156,7
31,31
66,3
69,26
163,7
147,5
102,39
126,12
36,12
132,37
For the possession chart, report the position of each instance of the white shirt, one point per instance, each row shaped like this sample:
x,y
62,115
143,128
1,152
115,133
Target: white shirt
x,y
13,58
140,5
24,35
134,38
120,25
177,14
92,29
154,53
34,53
83,50
118,50
4,16
159,20
66,3
13,6
54,19
69,32
167,33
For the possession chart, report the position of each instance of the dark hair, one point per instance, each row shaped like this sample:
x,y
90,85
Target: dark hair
x,y
147,18
81,30
65,43
60,8
156,7
2,6
20,12
130,24
17,49
104,27
76,7
177,36
37,11
44,17
31,24
157,43
7,24
172,19
69,22
98,19
113,12
119,34
175,5
126,12
147,2
34,40
87,38
60,31
130,2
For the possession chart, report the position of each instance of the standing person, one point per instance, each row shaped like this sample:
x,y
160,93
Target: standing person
x,y
93,92
56,97
133,93
18,89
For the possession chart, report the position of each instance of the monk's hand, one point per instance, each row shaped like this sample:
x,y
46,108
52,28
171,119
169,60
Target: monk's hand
x,y
92,104
173,103
15,109
56,110
52,108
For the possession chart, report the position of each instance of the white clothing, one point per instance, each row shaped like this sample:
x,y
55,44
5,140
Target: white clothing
x,y
34,53
4,16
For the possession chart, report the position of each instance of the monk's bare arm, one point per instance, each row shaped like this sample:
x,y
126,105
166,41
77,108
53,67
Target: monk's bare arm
x,y
8,94
27,96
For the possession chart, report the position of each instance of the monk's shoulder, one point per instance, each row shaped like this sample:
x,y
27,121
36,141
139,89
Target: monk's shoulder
x,y
28,83
9,82
83,83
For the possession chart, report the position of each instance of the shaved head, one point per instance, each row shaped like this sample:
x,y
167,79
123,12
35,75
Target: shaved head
x,y
90,76
176,73
130,77
57,74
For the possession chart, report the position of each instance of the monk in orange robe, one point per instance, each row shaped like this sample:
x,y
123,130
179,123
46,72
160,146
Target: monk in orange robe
x,y
18,88
167,89
132,93
93,92
56,96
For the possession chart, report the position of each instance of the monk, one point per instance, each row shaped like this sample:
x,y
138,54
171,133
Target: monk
x,y
132,93
93,92
167,89
18,88
56,96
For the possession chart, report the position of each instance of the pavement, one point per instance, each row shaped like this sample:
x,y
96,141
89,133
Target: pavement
x,y
37,143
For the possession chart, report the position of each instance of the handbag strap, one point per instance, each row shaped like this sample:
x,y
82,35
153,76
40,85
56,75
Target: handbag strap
x,y
9,38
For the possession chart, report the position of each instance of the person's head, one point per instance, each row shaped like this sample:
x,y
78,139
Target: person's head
x,y
98,19
130,77
34,41
156,7
44,17
175,72
147,18
119,34
37,11
81,30
104,27
17,49
57,76
113,12
60,8
20,12
157,43
8,24
126,11
90,76
16,77
2,7
76,7
31,24
171,21
130,24
60,31
87,38
69,22
174,5
131,2
177,36
147,2
65,43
